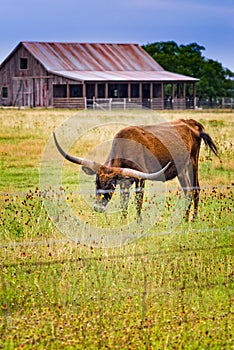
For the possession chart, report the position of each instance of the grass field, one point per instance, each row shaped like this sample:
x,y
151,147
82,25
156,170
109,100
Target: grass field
x,y
163,290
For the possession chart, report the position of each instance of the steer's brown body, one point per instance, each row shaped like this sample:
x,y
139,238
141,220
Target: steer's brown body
x,y
139,153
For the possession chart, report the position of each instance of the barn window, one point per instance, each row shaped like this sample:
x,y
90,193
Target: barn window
x,y
101,90
146,90
90,90
135,91
23,63
4,92
60,91
157,90
75,90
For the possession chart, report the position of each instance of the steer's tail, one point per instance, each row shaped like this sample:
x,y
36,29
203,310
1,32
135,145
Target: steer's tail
x,y
209,142
198,129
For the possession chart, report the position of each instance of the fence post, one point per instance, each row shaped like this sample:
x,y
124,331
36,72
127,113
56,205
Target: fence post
x,y
195,102
124,104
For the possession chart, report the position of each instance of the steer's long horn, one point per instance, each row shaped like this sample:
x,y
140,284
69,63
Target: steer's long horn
x,y
82,161
142,175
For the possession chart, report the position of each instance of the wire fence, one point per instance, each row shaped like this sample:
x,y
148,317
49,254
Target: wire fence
x,y
110,104
120,256
216,103
132,190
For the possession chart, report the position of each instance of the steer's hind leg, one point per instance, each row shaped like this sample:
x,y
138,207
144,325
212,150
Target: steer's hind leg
x,y
140,184
185,182
189,182
196,193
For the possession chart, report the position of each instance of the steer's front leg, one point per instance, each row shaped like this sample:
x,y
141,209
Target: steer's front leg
x,y
140,185
124,196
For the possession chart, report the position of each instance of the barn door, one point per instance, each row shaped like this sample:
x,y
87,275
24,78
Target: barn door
x,y
22,92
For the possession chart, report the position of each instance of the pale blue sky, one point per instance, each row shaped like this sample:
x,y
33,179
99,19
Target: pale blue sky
x,y
208,23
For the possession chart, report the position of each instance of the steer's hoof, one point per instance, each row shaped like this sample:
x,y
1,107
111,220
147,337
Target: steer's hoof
x,y
99,208
139,219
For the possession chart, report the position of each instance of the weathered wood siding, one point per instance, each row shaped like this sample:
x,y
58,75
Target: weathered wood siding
x,y
32,87
25,86
77,103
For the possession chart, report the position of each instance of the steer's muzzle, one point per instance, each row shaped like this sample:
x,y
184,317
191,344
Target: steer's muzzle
x,y
99,207
102,199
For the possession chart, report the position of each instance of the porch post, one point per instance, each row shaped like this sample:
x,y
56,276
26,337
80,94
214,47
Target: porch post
x,y
106,90
194,95
96,90
172,95
184,94
140,90
84,90
129,90
162,94
151,91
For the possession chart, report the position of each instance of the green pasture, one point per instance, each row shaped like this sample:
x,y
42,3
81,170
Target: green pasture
x,y
172,287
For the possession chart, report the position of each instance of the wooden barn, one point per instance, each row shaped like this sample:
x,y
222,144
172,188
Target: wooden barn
x,y
82,75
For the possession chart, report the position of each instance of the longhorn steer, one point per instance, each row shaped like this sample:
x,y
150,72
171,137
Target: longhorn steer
x,y
150,152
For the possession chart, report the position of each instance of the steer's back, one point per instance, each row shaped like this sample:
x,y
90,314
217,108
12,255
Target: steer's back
x,y
149,147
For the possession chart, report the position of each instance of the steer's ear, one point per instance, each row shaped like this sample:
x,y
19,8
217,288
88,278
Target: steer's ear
x,y
88,171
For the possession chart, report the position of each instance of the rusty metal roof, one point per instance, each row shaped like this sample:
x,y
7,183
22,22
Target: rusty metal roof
x,y
99,61
92,57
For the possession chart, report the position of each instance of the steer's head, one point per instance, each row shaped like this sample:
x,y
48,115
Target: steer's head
x,y
106,181
108,176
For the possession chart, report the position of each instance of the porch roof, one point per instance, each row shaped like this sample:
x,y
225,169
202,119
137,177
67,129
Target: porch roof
x,y
124,76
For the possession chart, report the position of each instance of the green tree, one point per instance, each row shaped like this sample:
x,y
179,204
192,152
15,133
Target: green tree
x,y
190,59
165,53
215,81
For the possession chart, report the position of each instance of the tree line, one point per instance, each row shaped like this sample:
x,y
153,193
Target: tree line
x,y
215,80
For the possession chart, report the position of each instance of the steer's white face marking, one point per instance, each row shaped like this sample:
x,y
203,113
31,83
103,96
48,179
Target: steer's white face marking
x,y
106,180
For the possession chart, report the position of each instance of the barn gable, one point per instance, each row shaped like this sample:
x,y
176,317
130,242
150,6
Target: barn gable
x,y
70,74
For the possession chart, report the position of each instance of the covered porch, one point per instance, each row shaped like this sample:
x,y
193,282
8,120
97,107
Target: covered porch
x,y
152,95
